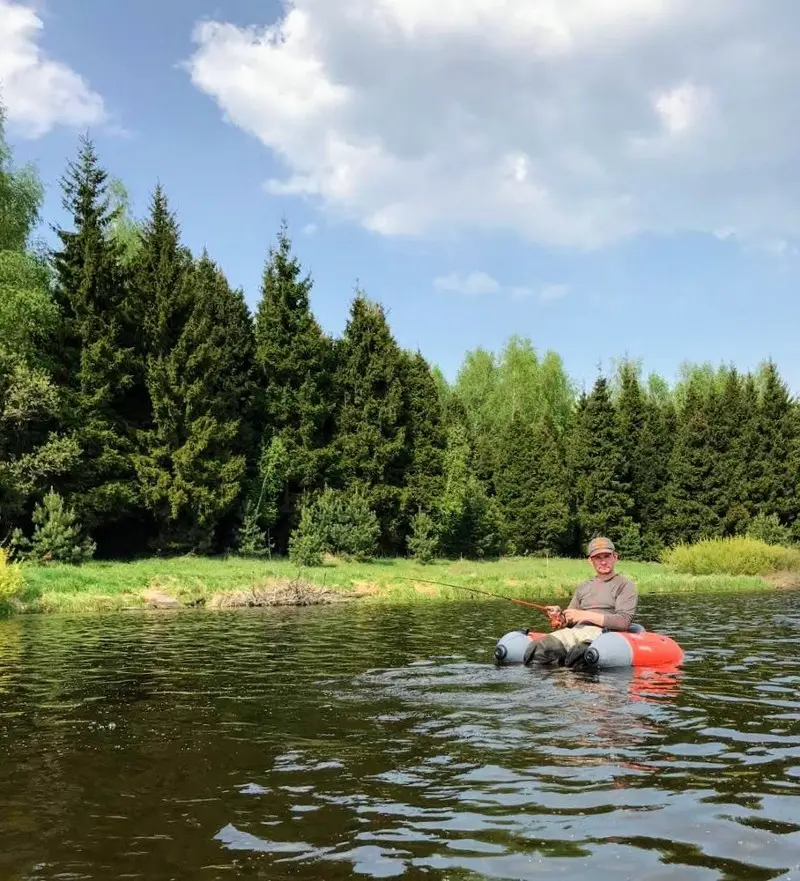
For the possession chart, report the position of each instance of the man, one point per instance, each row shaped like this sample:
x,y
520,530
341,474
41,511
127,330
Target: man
x,y
607,601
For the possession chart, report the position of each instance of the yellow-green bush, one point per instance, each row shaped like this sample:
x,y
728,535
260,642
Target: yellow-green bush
x,y
732,556
11,580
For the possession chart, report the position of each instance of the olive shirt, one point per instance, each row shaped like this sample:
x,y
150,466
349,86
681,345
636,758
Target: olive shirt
x,y
616,598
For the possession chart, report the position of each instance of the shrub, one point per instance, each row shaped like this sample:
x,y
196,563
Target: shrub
x,y
423,543
337,523
306,547
251,540
732,556
769,530
56,537
11,580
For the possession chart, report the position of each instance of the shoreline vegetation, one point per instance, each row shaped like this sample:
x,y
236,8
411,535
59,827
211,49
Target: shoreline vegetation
x,y
188,582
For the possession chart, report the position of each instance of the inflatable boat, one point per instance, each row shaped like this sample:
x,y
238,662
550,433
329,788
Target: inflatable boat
x,y
635,647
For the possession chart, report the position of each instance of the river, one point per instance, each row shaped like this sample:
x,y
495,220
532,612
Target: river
x,y
360,742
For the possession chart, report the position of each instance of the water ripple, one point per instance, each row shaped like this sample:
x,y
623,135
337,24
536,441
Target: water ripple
x,y
339,743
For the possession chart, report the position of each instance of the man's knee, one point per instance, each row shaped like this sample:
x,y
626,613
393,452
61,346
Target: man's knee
x,y
547,650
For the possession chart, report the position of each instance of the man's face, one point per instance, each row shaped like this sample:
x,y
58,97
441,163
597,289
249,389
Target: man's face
x,y
603,562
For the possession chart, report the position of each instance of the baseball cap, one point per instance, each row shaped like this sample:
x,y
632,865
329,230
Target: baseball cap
x,y
600,545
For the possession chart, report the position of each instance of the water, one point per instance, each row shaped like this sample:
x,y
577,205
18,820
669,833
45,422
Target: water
x,y
347,742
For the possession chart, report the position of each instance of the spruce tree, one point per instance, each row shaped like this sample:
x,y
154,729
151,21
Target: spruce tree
x,y
730,456
652,474
533,487
195,461
371,448
602,490
771,485
295,375
426,438
159,303
92,363
645,439
692,514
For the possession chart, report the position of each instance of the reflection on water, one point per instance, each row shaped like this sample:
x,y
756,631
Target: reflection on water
x,y
343,742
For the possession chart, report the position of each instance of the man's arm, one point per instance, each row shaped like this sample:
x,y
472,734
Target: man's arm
x,y
624,608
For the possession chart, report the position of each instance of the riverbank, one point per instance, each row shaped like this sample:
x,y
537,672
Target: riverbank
x,y
235,581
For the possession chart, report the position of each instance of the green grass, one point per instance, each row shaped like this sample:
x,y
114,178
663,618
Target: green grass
x,y
100,586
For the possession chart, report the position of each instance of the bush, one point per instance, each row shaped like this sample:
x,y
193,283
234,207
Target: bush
x,y
251,540
423,543
11,580
769,530
56,537
732,556
306,547
337,523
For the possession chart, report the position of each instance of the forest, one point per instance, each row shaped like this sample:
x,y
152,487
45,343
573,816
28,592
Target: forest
x,y
144,410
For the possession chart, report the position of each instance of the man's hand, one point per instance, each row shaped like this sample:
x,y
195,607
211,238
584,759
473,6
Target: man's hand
x,y
584,617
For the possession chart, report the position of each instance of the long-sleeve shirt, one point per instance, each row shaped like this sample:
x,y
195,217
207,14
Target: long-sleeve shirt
x,y
616,598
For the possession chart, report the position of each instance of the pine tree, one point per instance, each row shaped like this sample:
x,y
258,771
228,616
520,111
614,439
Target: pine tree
x,y
295,371
603,498
92,364
533,487
371,447
202,392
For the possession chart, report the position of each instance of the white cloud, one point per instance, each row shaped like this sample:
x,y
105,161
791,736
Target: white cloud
x,y
477,283
310,229
38,92
553,292
575,123
472,284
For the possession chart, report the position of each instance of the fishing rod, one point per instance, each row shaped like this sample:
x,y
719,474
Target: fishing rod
x,y
554,613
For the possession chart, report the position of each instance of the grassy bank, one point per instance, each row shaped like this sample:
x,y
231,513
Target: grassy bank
x,y
216,582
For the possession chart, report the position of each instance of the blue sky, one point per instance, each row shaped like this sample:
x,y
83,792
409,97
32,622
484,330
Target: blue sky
x,y
604,183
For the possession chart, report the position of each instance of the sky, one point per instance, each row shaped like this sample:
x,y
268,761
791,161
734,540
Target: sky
x,y
608,178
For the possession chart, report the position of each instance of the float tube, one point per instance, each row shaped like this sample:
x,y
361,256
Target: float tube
x,y
635,647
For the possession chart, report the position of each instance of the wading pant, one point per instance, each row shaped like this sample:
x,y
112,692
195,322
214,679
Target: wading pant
x,y
572,636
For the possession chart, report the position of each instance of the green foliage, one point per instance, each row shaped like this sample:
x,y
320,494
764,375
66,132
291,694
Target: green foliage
x,y
426,438
11,579
194,466
340,523
371,448
92,356
770,530
738,555
57,536
603,499
423,542
694,492
251,540
533,488
307,545
471,523
294,364
135,382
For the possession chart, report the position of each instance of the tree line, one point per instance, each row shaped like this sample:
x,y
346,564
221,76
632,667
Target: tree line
x,y
145,410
